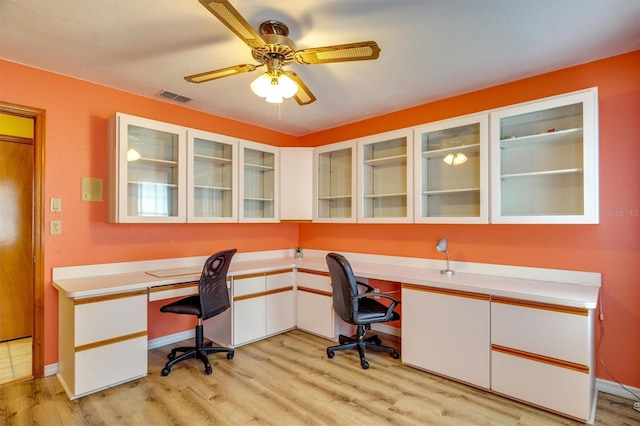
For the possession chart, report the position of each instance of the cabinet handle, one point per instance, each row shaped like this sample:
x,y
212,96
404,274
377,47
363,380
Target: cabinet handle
x,y
541,358
540,305
111,341
457,293
115,296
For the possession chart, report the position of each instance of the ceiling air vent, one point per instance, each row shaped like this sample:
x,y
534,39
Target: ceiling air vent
x,y
174,97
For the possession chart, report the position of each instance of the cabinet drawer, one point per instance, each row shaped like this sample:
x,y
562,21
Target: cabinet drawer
x,y
248,284
548,330
315,314
559,389
314,280
107,317
108,365
280,279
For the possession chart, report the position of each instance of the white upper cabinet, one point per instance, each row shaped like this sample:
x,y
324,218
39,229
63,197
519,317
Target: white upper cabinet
x,y
385,178
545,161
212,178
334,186
296,179
147,176
451,171
259,189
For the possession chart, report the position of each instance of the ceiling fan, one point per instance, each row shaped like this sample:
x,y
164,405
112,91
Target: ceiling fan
x,y
272,48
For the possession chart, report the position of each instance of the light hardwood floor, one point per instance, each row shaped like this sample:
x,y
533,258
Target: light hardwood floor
x,y
15,360
284,380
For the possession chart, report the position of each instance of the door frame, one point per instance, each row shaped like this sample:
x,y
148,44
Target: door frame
x,y
38,116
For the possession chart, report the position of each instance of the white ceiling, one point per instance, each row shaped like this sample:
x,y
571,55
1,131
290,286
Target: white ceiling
x,y
431,49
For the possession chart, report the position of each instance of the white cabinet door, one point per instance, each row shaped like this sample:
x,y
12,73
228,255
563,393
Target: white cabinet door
x,y
451,183
447,332
147,170
280,302
212,177
334,185
259,189
249,308
296,179
544,157
314,300
385,177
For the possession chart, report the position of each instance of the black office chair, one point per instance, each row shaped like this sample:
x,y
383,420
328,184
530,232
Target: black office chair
x,y
212,299
359,309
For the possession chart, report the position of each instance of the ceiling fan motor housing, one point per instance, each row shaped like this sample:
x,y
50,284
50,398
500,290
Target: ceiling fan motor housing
x,y
278,45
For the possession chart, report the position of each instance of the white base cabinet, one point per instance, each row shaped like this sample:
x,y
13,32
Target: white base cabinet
x,y
102,341
263,304
543,355
314,300
446,332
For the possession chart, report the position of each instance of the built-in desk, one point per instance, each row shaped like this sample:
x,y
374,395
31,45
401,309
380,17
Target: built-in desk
x,y
527,333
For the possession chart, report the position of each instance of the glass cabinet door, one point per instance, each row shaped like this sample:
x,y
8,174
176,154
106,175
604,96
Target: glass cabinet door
x,y
335,183
545,161
386,178
212,178
258,178
451,169
148,185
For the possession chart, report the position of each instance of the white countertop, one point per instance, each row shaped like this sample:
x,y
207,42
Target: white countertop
x,y
560,293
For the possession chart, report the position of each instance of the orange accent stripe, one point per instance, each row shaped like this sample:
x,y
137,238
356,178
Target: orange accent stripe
x,y
315,291
308,271
457,293
282,271
539,305
262,293
173,286
541,358
108,297
111,341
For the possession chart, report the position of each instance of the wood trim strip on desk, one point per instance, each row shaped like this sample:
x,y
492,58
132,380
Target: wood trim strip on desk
x,y
457,293
309,271
262,293
540,305
315,291
169,287
241,277
581,368
97,299
111,341
280,271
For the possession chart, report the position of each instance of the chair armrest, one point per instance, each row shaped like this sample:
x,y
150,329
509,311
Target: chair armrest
x,y
368,288
394,302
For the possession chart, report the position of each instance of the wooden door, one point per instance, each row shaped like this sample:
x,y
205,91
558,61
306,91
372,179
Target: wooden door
x,y
16,236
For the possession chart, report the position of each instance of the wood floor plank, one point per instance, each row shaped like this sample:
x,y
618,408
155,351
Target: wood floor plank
x,y
285,380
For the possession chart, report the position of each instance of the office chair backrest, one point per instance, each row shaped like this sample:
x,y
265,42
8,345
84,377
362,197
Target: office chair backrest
x,y
214,296
344,287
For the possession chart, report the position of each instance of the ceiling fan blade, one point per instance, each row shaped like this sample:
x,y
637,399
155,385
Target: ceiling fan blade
x,y
303,96
222,72
228,15
361,51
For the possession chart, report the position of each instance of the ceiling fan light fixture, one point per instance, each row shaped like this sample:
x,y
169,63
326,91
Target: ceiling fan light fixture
x,y
274,88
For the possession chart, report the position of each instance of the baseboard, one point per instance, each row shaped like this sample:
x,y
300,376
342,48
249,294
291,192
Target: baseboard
x,y
51,369
616,389
171,338
387,329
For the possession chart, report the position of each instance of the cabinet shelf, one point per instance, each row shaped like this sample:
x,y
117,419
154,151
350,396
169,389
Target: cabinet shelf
x,y
213,188
259,167
158,184
387,161
153,162
546,137
378,196
441,153
258,199
335,197
211,160
542,173
451,191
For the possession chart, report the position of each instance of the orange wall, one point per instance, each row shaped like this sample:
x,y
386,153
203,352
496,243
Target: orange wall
x,y
76,142
612,247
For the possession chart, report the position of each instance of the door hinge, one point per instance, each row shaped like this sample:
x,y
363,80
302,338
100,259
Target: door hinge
x,y
34,259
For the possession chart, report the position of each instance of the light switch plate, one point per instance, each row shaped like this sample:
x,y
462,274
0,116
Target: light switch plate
x,y
91,189
56,205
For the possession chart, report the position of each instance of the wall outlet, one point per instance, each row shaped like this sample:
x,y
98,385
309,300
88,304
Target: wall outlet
x,y
636,406
55,227
376,291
